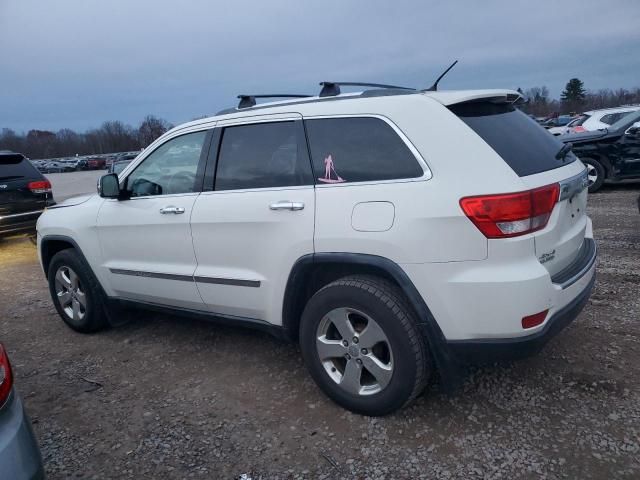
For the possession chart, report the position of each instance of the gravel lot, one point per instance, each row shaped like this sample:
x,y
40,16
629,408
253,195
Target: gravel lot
x,y
164,397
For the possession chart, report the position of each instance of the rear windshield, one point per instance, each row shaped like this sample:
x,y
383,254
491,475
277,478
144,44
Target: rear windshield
x,y
15,166
523,144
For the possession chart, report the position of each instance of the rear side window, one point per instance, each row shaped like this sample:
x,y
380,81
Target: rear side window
x,y
358,150
525,146
15,166
262,155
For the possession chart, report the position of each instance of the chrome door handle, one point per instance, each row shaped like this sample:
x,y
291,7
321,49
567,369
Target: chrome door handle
x,y
171,209
286,205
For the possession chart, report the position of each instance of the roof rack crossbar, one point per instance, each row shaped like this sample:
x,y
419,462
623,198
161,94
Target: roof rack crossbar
x,y
331,89
247,101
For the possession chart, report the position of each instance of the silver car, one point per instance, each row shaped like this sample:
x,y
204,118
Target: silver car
x,y
19,453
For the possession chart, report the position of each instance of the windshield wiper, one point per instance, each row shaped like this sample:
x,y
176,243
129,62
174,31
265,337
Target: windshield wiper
x,y
564,151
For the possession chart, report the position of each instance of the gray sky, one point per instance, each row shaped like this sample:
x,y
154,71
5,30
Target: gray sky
x,y
77,63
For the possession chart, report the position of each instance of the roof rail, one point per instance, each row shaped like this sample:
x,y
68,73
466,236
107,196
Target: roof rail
x,y
247,101
331,89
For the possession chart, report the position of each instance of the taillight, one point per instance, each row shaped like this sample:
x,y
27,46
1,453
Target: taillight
x,y
41,186
6,376
579,129
511,214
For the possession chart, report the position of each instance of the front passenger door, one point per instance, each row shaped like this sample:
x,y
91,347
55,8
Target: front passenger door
x,y
146,239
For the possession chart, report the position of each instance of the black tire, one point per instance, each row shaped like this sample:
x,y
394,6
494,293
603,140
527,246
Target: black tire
x,y
383,302
94,317
600,172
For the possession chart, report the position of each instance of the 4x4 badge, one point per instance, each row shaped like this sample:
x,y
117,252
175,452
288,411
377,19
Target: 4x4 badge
x,y
547,257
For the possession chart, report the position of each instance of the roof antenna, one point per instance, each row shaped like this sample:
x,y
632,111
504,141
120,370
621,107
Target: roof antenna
x,y
434,87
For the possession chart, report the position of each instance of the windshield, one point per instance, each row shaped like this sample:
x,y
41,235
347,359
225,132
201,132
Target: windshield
x,y
625,121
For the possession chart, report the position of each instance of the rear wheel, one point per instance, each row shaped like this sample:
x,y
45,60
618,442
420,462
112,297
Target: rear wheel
x,y
75,292
595,174
362,346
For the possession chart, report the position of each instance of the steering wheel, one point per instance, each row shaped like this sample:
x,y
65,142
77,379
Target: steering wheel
x,y
182,179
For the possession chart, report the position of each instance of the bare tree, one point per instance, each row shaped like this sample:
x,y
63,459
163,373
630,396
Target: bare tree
x,y
150,129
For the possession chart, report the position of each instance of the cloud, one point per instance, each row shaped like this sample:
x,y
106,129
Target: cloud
x,y
76,63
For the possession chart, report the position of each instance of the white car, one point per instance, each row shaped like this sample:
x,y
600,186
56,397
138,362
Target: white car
x,y
600,119
393,233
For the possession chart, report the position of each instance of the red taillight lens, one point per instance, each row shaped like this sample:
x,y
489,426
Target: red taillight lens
x,y
41,186
578,129
6,376
534,320
511,214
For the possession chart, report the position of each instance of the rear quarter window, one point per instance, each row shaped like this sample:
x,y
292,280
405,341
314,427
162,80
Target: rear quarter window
x,y
358,149
523,144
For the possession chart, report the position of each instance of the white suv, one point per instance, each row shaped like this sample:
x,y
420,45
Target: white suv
x,y
391,232
599,119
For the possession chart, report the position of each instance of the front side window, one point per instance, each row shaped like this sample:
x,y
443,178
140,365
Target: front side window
x,y
358,149
170,169
262,155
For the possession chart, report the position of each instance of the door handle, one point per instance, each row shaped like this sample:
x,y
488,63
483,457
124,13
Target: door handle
x,y
172,209
286,205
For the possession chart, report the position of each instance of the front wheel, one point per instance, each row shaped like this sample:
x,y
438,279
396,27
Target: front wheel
x,y
75,292
361,343
595,174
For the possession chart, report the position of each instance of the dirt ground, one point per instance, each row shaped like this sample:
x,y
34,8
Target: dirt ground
x,y
165,397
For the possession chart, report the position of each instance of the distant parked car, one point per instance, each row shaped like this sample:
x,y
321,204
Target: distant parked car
x,y
53,167
600,119
24,193
118,167
96,163
568,127
558,121
20,457
609,154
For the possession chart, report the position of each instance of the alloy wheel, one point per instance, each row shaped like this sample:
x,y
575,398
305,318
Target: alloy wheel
x,y
592,174
70,293
354,351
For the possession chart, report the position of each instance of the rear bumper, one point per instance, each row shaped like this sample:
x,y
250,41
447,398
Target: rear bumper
x,y
20,457
479,351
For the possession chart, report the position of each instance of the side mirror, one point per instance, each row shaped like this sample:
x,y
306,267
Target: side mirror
x,y
633,129
108,186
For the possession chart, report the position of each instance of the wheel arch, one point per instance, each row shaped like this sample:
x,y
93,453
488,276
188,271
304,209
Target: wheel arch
x,y
52,244
313,271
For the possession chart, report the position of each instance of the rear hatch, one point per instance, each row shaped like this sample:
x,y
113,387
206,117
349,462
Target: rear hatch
x,y
17,175
533,154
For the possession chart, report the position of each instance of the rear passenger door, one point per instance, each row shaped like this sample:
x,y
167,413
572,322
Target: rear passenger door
x,y
255,217
369,180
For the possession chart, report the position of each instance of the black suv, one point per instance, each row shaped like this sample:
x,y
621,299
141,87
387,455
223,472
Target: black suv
x,y
612,153
24,193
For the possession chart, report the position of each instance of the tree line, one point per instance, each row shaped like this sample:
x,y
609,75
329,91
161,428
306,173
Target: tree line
x,y
115,136
111,137
575,98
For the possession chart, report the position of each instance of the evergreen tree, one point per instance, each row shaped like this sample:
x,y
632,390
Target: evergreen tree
x,y
574,92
